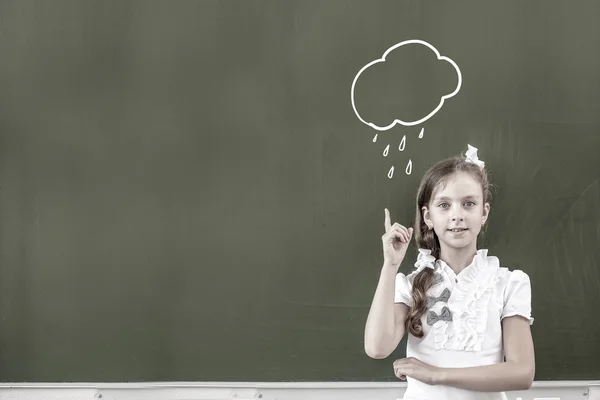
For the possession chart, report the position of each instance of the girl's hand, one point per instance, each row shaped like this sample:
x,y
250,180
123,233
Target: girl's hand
x,y
418,370
395,241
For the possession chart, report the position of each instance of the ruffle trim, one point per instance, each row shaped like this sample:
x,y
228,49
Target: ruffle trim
x,y
469,306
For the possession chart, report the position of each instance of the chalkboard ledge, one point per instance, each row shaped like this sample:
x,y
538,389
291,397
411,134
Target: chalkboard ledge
x,y
563,390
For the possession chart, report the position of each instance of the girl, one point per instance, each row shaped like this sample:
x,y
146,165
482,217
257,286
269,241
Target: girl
x,y
468,319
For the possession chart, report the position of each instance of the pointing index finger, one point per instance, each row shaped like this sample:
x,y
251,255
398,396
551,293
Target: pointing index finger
x,y
388,222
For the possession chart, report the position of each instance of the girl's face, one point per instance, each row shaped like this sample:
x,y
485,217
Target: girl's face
x,y
457,212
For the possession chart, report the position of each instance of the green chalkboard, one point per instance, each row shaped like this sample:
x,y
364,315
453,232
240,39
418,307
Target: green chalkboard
x,y
187,193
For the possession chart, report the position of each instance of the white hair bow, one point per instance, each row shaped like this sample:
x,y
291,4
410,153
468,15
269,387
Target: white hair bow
x,y
471,156
424,260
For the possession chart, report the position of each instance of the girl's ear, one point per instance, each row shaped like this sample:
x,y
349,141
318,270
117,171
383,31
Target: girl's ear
x,y
426,216
486,213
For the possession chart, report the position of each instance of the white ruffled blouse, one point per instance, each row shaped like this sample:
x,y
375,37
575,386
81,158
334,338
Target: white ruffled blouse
x,y
462,326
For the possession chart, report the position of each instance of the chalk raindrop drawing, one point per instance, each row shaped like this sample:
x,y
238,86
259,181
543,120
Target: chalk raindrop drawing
x,y
398,120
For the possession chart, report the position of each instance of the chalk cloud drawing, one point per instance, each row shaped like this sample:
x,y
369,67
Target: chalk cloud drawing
x,y
400,121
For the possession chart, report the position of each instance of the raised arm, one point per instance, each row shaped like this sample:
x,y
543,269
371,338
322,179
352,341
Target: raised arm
x,y
385,323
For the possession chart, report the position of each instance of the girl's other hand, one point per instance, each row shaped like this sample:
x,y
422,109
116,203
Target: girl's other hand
x,y
418,370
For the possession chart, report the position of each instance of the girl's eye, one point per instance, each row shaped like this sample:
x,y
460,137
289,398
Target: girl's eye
x,y
446,205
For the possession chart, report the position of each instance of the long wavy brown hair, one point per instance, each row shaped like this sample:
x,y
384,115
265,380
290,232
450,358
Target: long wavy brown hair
x,y
427,239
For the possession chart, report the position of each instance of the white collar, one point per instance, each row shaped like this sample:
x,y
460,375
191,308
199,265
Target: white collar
x,y
481,262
